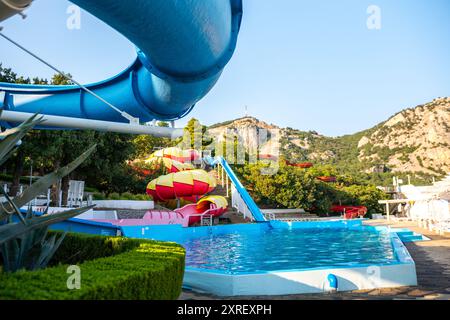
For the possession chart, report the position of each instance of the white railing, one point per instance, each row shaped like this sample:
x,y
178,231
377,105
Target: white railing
x,y
205,219
431,214
239,204
269,216
240,198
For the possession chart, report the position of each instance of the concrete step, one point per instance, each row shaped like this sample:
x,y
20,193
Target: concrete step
x,y
411,238
405,233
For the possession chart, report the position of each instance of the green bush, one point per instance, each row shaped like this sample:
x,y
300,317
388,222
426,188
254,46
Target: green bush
x,y
292,188
114,196
127,196
111,268
98,196
367,196
90,189
143,197
78,247
287,188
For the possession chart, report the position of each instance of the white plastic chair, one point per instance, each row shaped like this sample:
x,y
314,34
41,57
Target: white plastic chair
x,y
75,194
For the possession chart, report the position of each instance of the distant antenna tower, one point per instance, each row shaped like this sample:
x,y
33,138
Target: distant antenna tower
x,y
246,111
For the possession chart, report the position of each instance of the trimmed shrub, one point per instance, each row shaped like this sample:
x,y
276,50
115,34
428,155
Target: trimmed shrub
x,y
114,196
143,197
98,196
79,247
127,196
90,189
111,268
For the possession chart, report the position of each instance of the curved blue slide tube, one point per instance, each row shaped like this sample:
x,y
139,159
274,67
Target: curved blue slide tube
x,y
183,46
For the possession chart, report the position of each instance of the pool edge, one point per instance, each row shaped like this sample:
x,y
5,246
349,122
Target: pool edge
x,y
299,281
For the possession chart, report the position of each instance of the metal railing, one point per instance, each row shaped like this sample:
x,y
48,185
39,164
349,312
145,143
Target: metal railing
x,y
239,204
269,216
240,198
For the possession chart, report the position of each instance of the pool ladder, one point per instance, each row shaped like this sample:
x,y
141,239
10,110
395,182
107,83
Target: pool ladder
x,y
207,220
270,216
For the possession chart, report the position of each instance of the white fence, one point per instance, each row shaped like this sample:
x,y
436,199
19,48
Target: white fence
x,y
239,204
432,214
427,209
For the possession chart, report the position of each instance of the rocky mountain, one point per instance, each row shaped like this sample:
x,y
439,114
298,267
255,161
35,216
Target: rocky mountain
x,y
250,131
414,140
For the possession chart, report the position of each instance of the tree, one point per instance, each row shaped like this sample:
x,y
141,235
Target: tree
x,y
108,169
292,187
60,80
147,144
288,188
45,146
47,149
163,124
194,136
367,196
7,75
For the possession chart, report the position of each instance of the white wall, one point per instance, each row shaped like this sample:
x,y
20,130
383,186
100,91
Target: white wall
x,y
124,204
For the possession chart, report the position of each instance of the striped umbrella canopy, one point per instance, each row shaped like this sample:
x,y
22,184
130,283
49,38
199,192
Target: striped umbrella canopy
x,y
193,154
211,205
220,203
177,154
172,166
181,184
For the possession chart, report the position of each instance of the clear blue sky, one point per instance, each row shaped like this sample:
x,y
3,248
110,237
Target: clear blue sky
x,y
311,65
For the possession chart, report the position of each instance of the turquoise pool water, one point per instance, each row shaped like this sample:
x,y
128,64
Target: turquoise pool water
x,y
284,249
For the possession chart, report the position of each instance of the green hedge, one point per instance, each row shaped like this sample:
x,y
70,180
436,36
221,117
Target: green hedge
x,y
111,268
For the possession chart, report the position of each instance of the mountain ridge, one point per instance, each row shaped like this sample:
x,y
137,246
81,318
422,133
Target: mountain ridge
x,y
413,140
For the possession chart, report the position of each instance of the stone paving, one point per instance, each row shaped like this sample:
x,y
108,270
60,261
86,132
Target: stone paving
x,y
432,260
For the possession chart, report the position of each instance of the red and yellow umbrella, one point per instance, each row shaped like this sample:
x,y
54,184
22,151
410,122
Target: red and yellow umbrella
x,y
172,166
220,203
181,184
177,154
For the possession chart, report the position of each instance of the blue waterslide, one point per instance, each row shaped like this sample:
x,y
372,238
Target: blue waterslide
x,y
182,49
251,205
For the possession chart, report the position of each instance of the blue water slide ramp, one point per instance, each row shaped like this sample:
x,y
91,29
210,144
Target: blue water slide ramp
x,y
81,226
182,49
251,205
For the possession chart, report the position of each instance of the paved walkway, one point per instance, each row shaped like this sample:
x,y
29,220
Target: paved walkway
x,y
432,260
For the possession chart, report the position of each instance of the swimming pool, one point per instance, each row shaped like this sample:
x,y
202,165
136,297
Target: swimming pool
x,y
285,249
277,257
